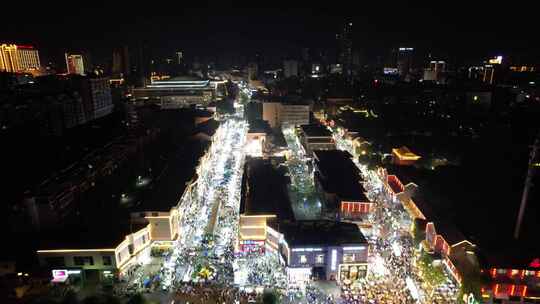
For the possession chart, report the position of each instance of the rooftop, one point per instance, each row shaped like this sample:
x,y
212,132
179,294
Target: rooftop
x,y
404,153
321,232
315,130
338,174
264,188
99,231
259,126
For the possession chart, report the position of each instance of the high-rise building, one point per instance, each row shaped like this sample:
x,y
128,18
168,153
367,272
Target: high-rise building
x,y
404,60
121,64
434,71
305,55
345,54
18,58
252,70
290,68
96,96
180,57
74,64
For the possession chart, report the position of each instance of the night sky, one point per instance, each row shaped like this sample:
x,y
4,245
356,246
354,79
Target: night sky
x,y
449,28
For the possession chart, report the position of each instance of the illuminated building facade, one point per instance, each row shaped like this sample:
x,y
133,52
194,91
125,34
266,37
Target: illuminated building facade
x,y
435,70
325,250
18,58
112,259
178,92
286,113
403,156
74,64
441,238
512,277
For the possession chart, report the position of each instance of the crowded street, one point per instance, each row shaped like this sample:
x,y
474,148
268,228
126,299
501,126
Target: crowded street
x,y
393,276
209,213
203,265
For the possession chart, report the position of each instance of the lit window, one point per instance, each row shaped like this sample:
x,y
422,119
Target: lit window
x,y
501,271
348,257
303,259
320,259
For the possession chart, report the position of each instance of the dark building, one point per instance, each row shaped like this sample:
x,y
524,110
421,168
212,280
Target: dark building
x,y
121,63
264,200
339,181
404,60
345,55
315,137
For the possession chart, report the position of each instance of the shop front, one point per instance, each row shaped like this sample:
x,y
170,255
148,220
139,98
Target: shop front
x,y
298,276
352,272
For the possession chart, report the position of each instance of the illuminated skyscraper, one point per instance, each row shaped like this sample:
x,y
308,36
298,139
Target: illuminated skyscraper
x,y
18,58
74,64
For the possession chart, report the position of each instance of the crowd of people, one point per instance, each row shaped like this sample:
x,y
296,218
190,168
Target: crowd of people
x,y
205,293
264,270
393,246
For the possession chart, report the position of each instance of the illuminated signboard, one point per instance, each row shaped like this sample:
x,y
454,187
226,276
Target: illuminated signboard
x,y
496,60
406,49
390,71
252,242
63,274
535,263
334,259
60,274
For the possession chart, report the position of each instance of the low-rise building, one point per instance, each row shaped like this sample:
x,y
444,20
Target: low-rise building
x,y
256,138
108,255
403,156
513,274
315,137
339,181
440,237
323,249
286,113
177,92
264,200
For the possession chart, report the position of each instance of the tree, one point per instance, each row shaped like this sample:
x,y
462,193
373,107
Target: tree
x,y
418,234
433,275
471,282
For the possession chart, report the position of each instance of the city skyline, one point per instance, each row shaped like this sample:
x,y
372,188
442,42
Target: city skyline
x,y
468,31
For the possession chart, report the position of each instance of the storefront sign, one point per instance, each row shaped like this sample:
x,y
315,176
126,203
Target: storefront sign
x,y
60,274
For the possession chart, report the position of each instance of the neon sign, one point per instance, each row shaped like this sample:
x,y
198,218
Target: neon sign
x,y
535,263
